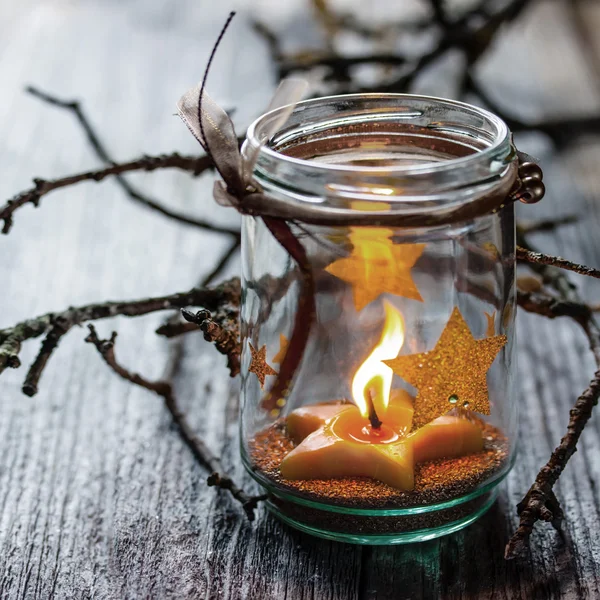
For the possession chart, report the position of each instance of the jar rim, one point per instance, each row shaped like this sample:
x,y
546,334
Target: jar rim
x,y
465,160
502,135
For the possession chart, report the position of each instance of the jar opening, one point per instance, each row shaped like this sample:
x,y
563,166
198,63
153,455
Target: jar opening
x,y
411,149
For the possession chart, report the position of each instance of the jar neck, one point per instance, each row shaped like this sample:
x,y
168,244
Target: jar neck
x,y
384,158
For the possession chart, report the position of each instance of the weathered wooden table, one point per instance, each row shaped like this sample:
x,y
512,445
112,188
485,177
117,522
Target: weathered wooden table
x,y
99,497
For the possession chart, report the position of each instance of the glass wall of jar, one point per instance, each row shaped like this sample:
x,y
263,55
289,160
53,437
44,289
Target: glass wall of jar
x,y
401,419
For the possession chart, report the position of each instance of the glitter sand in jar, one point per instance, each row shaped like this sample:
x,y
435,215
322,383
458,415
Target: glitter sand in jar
x,y
400,421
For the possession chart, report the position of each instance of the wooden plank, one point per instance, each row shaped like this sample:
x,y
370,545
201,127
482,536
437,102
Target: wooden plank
x,y
98,496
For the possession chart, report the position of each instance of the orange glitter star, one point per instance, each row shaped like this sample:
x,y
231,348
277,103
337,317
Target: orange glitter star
x,y
451,375
376,265
259,365
283,345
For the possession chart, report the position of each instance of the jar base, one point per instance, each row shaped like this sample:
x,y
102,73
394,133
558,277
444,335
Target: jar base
x,y
281,510
385,525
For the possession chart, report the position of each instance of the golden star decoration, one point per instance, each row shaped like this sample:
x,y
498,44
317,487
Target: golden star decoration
x,y
452,375
283,345
376,265
259,365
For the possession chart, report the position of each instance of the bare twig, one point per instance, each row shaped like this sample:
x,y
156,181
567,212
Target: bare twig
x,y
172,328
59,328
556,261
550,307
337,62
227,293
100,150
560,130
472,34
438,9
527,227
164,388
271,38
191,164
540,502
223,262
222,329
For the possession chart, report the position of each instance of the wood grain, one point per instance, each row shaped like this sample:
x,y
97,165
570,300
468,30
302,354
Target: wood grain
x,y
98,496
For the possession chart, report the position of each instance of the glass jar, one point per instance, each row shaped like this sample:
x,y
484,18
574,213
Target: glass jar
x,y
401,419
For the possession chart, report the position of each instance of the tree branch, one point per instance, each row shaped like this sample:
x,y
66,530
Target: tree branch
x,y
540,502
42,187
555,261
50,343
222,329
544,225
192,164
227,293
561,130
472,33
547,306
164,388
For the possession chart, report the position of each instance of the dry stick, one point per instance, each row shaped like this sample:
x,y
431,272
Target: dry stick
x,y
223,262
540,502
528,227
171,328
11,338
222,330
99,149
550,307
191,164
50,343
164,388
334,61
439,12
555,261
350,23
559,130
473,40
60,325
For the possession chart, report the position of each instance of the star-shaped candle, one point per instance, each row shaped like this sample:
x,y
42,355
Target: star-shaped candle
x,y
376,265
453,374
371,437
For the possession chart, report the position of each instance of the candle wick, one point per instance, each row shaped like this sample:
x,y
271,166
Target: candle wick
x,y
375,422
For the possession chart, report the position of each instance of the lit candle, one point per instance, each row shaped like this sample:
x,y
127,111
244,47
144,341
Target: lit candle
x,y
371,437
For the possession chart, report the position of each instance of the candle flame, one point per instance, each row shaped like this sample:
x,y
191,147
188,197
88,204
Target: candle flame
x,y
373,376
